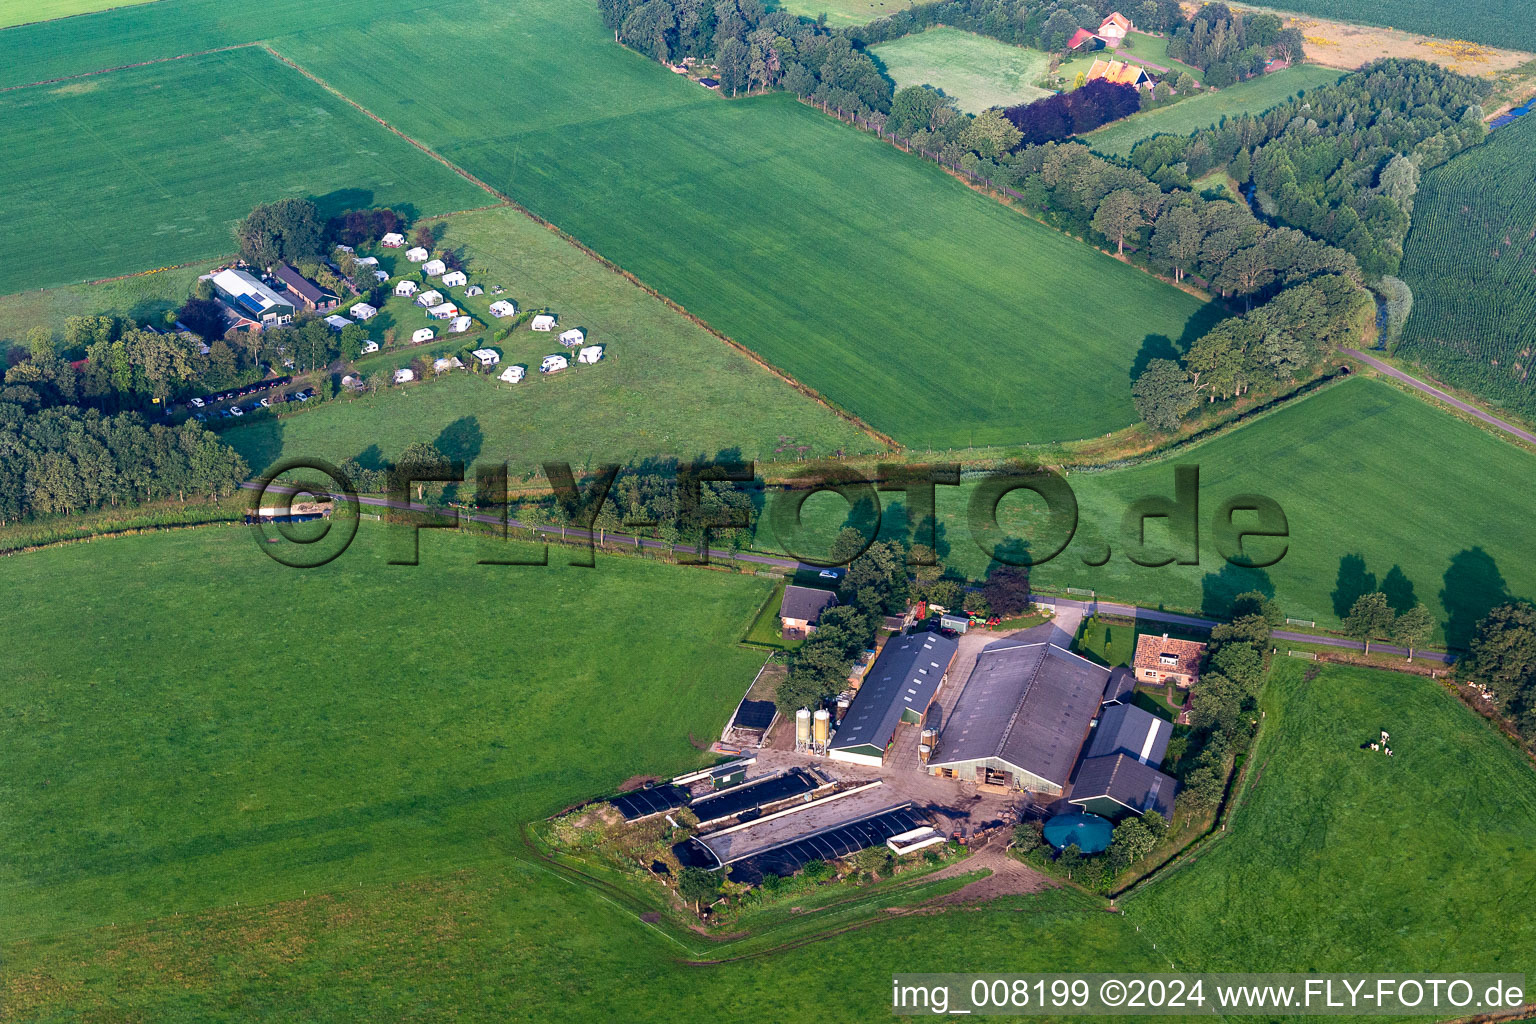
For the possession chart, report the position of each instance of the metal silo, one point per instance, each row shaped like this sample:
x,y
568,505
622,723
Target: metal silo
x,y
803,729
823,729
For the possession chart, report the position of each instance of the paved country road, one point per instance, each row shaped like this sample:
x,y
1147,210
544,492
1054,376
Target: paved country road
x,y
1086,608
1430,389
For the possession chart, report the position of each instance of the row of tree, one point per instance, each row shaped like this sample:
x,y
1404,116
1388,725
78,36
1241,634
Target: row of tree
x,y
1503,658
1341,162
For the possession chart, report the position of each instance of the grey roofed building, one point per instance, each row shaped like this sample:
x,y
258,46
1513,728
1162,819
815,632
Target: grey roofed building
x,y
1121,685
1117,784
898,688
1127,729
1022,718
312,296
802,606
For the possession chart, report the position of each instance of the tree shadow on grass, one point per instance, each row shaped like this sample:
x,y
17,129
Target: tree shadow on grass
x,y
1473,588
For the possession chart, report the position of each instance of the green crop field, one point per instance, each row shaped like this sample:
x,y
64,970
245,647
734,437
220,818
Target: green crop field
x,y
845,12
977,71
1347,857
665,386
1374,483
1494,22
20,12
152,166
1188,116
1471,262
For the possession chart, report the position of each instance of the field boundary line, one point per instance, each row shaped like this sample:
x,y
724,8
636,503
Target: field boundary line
x,y
82,14
506,200
125,67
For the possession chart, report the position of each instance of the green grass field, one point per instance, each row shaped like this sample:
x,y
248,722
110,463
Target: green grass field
x,y
665,386
1201,111
977,71
1471,262
845,12
153,166
1361,470
20,12
1349,858
1154,49
1494,22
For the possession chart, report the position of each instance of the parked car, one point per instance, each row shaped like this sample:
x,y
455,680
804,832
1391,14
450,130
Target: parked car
x,y
224,413
235,410
830,574
196,403
201,417
266,403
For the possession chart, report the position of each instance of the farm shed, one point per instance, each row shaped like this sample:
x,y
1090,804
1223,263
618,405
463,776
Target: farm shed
x,y
363,311
1121,686
417,255
1118,784
251,299
543,322
1127,729
801,609
898,688
308,294
1021,719
429,298
404,375
554,364
1113,28
590,354
370,346
1167,660
487,356
392,240
502,308
513,374
422,334
572,337
434,268
455,279
406,287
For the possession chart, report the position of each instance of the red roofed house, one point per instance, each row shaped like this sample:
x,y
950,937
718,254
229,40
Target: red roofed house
x,y
1081,37
1160,659
1114,28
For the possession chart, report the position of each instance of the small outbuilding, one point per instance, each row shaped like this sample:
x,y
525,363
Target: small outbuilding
x,y
455,279
406,287
417,255
487,356
363,311
543,322
590,354
422,335
513,374
392,240
502,308
554,364
572,337
404,375
434,268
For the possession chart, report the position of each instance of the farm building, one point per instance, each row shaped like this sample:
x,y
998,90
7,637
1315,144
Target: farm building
x,y
406,287
897,689
369,346
513,374
447,363
434,268
422,334
554,364
307,294
443,311
455,279
1120,73
429,298
363,311
572,337
502,308
1121,686
392,240
417,255
590,354
336,323
1118,784
404,375
251,299
1130,730
1021,719
1085,40
801,609
1113,28
543,322
1161,659
461,324
487,356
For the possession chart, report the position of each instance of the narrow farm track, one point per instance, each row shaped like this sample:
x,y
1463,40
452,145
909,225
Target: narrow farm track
x,y
1437,394
883,438
126,67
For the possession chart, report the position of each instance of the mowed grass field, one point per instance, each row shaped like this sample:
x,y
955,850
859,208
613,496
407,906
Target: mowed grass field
x,y
20,12
1210,107
933,313
665,386
1352,859
845,12
1471,262
200,725
977,71
152,166
1372,480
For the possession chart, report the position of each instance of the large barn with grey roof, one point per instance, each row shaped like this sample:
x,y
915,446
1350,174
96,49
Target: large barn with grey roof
x,y
898,688
1022,718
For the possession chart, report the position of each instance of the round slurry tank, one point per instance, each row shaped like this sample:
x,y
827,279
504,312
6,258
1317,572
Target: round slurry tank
x,y
803,728
823,728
